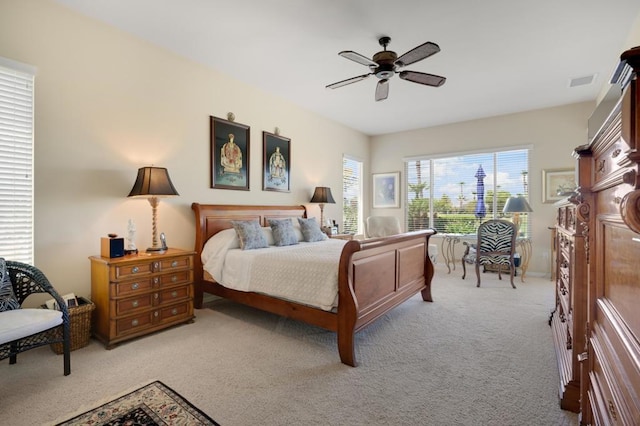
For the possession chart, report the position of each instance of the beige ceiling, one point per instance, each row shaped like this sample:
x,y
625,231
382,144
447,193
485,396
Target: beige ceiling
x,y
499,56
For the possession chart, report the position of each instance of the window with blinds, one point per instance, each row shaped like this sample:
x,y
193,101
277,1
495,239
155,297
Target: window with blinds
x,y
454,194
16,162
352,206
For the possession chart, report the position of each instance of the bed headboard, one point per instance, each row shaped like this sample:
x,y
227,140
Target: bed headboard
x,y
213,218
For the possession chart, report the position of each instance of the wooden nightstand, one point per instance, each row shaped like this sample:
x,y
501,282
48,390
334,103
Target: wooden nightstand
x,y
348,237
139,294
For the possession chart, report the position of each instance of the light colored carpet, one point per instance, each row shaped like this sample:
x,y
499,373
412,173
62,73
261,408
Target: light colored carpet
x,y
476,356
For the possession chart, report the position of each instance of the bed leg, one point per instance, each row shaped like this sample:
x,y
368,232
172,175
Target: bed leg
x,y
346,348
429,271
198,295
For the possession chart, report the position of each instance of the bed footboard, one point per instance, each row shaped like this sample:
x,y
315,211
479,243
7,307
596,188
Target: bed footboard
x,y
377,275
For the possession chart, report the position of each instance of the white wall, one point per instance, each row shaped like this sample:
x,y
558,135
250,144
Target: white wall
x,y
553,133
108,103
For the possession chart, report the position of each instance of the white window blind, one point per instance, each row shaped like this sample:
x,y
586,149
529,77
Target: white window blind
x,y
16,164
444,193
352,206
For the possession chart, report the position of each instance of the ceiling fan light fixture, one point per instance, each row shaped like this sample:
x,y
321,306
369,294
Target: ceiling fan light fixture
x,y
384,65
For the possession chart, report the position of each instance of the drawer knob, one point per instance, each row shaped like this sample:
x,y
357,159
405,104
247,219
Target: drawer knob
x,y
156,280
134,323
135,304
156,265
174,279
174,264
174,311
174,294
155,314
155,295
135,286
135,270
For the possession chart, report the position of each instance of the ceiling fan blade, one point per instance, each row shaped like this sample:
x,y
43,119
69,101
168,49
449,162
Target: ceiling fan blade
x,y
382,90
423,78
418,53
347,81
357,58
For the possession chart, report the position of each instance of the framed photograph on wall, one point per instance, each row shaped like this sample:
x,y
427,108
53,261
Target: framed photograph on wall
x,y
229,154
386,190
276,163
557,184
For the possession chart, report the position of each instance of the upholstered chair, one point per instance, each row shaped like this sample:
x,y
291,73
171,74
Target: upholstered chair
x,y
381,226
495,245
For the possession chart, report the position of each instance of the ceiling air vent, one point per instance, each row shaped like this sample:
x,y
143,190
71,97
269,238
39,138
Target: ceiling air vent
x,y
582,81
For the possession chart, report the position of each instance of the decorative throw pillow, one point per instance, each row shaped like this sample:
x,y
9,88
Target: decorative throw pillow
x,y
283,232
250,234
311,230
8,298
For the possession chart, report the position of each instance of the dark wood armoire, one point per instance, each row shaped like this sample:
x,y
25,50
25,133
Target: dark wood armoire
x,y
608,214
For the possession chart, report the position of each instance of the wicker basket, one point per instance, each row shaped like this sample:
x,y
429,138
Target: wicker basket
x,y
80,324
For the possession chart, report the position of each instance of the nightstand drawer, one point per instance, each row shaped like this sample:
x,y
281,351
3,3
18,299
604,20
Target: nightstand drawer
x,y
175,312
132,287
132,270
176,278
174,294
176,263
132,304
134,324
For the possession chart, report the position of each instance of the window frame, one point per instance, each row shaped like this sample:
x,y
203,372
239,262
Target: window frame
x,y
359,222
493,211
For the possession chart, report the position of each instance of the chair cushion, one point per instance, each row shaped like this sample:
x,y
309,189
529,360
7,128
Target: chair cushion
x,y
8,299
20,323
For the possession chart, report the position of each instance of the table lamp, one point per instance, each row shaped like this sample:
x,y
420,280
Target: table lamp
x,y
517,205
322,195
153,183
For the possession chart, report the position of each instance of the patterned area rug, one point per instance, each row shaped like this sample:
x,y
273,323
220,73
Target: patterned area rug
x,y
154,404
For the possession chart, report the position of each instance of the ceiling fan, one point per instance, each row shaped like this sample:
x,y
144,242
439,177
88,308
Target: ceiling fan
x,y
387,63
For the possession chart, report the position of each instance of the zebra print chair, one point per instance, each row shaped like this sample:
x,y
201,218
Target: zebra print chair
x,y
496,246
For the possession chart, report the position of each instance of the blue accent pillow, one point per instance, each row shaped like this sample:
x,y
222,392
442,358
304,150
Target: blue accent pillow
x,y
311,230
250,234
283,232
8,299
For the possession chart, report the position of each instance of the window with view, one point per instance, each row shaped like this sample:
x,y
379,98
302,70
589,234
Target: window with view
x,y
16,161
454,194
352,206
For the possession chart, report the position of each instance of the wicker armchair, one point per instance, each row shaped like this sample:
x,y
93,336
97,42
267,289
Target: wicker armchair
x,y
27,280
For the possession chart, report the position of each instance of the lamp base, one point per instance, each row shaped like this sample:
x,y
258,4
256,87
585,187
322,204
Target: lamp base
x,y
158,250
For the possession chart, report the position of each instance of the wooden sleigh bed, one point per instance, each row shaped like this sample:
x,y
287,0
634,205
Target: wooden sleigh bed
x,y
374,275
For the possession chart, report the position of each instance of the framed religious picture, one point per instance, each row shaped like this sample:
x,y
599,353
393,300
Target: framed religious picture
x,y
229,154
557,184
276,163
386,192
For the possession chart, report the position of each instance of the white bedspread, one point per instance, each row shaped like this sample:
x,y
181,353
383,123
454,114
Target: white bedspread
x,y
305,273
